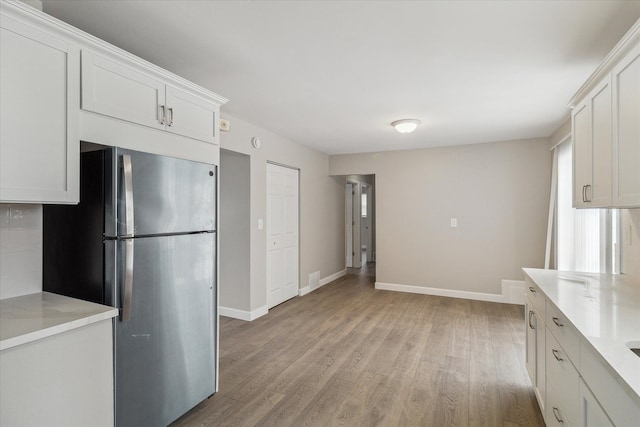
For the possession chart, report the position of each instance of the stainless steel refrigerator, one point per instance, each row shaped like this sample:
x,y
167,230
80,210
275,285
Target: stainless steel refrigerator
x,y
143,239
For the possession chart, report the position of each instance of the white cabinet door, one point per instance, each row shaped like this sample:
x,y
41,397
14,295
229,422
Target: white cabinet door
x,y
535,352
191,116
592,148
599,194
39,91
115,90
581,133
626,130
592,414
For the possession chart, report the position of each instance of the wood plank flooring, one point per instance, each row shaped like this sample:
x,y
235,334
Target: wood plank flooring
x,y
350,355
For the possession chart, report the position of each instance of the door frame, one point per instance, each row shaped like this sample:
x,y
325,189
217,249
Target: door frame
x,y
353,224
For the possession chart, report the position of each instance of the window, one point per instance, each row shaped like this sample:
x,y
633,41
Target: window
x,y
364,205
586,239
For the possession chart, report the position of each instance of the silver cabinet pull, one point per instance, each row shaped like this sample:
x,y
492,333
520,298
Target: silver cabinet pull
x,y
162,114
531,325
587,192
129,232
557,322
170,109
555,354
556,413
583,197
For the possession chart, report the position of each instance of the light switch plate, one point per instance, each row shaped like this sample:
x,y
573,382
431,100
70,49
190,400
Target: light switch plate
x,y
454,222
260,224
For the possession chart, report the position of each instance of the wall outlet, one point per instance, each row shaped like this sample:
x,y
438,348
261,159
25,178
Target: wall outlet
x,y
225,125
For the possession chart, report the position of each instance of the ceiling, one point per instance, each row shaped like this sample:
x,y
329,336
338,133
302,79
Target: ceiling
x,y
332,75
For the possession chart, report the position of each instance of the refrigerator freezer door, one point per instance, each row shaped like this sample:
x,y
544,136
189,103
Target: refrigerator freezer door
x,y
165,353
169,195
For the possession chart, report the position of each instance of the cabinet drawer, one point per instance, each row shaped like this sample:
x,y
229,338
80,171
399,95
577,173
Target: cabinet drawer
x,y
564,377
608,388
555,415
536,297
564,332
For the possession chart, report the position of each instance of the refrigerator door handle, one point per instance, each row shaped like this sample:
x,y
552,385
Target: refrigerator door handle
x,y
128,280
128,195
129,232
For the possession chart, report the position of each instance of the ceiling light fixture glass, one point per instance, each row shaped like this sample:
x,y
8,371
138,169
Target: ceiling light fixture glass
x,y
406,125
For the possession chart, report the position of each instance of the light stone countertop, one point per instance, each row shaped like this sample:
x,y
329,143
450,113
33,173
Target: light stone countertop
x,y
32,317
605,309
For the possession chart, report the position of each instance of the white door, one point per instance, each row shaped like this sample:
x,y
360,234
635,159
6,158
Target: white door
x,y
282,234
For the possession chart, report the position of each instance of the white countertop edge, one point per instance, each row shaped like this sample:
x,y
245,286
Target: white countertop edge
x,y
627,375
57,329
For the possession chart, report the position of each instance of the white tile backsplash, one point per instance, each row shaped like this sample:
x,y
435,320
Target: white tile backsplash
x,y
20,250
630,224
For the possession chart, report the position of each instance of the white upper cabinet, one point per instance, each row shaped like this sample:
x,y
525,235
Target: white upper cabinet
x,y
626,130
592,148
39,93
606,130
125,91
121,92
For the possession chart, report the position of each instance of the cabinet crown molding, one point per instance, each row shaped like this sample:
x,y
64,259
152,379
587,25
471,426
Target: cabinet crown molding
x,y
626,43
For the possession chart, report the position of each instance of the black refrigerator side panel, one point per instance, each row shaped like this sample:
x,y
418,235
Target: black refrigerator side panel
x,y
73,253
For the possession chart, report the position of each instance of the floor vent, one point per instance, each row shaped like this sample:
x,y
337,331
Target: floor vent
x,y
314,280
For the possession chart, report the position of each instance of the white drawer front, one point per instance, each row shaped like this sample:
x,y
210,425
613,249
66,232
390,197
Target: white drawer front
x,y
564,377
555,414
564,332
536,297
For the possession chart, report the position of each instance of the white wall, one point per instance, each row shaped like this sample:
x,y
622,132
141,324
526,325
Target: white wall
x,y
20,250
499,193
321,206
234,232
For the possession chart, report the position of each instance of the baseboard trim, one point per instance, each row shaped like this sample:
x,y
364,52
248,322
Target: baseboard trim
x,y
243,314
323,281
510,292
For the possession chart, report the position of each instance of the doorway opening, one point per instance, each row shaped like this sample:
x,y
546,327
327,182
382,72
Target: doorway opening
x,y
360,242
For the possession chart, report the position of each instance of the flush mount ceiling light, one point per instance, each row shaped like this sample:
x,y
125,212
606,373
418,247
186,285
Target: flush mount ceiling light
x,y
406,125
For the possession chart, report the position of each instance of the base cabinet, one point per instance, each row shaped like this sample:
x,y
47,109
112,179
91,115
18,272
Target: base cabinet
x,y
592,413
62,380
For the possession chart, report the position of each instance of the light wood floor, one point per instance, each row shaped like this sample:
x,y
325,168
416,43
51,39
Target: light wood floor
x,y
350,355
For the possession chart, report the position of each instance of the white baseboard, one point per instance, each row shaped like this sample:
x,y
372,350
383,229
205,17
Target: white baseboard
x,y
323,281
510,292
243,314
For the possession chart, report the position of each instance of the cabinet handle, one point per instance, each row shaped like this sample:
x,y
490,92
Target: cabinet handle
x,y
584,197
557,322
556,413
532,289
530,318
170,116
587,192
161,114
555,354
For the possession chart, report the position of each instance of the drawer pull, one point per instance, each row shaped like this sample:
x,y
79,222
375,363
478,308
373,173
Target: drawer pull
x,y
557,322
555,354
532,289
530,319
556,413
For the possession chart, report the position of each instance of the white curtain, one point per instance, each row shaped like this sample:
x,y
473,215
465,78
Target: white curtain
x,y
583,238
